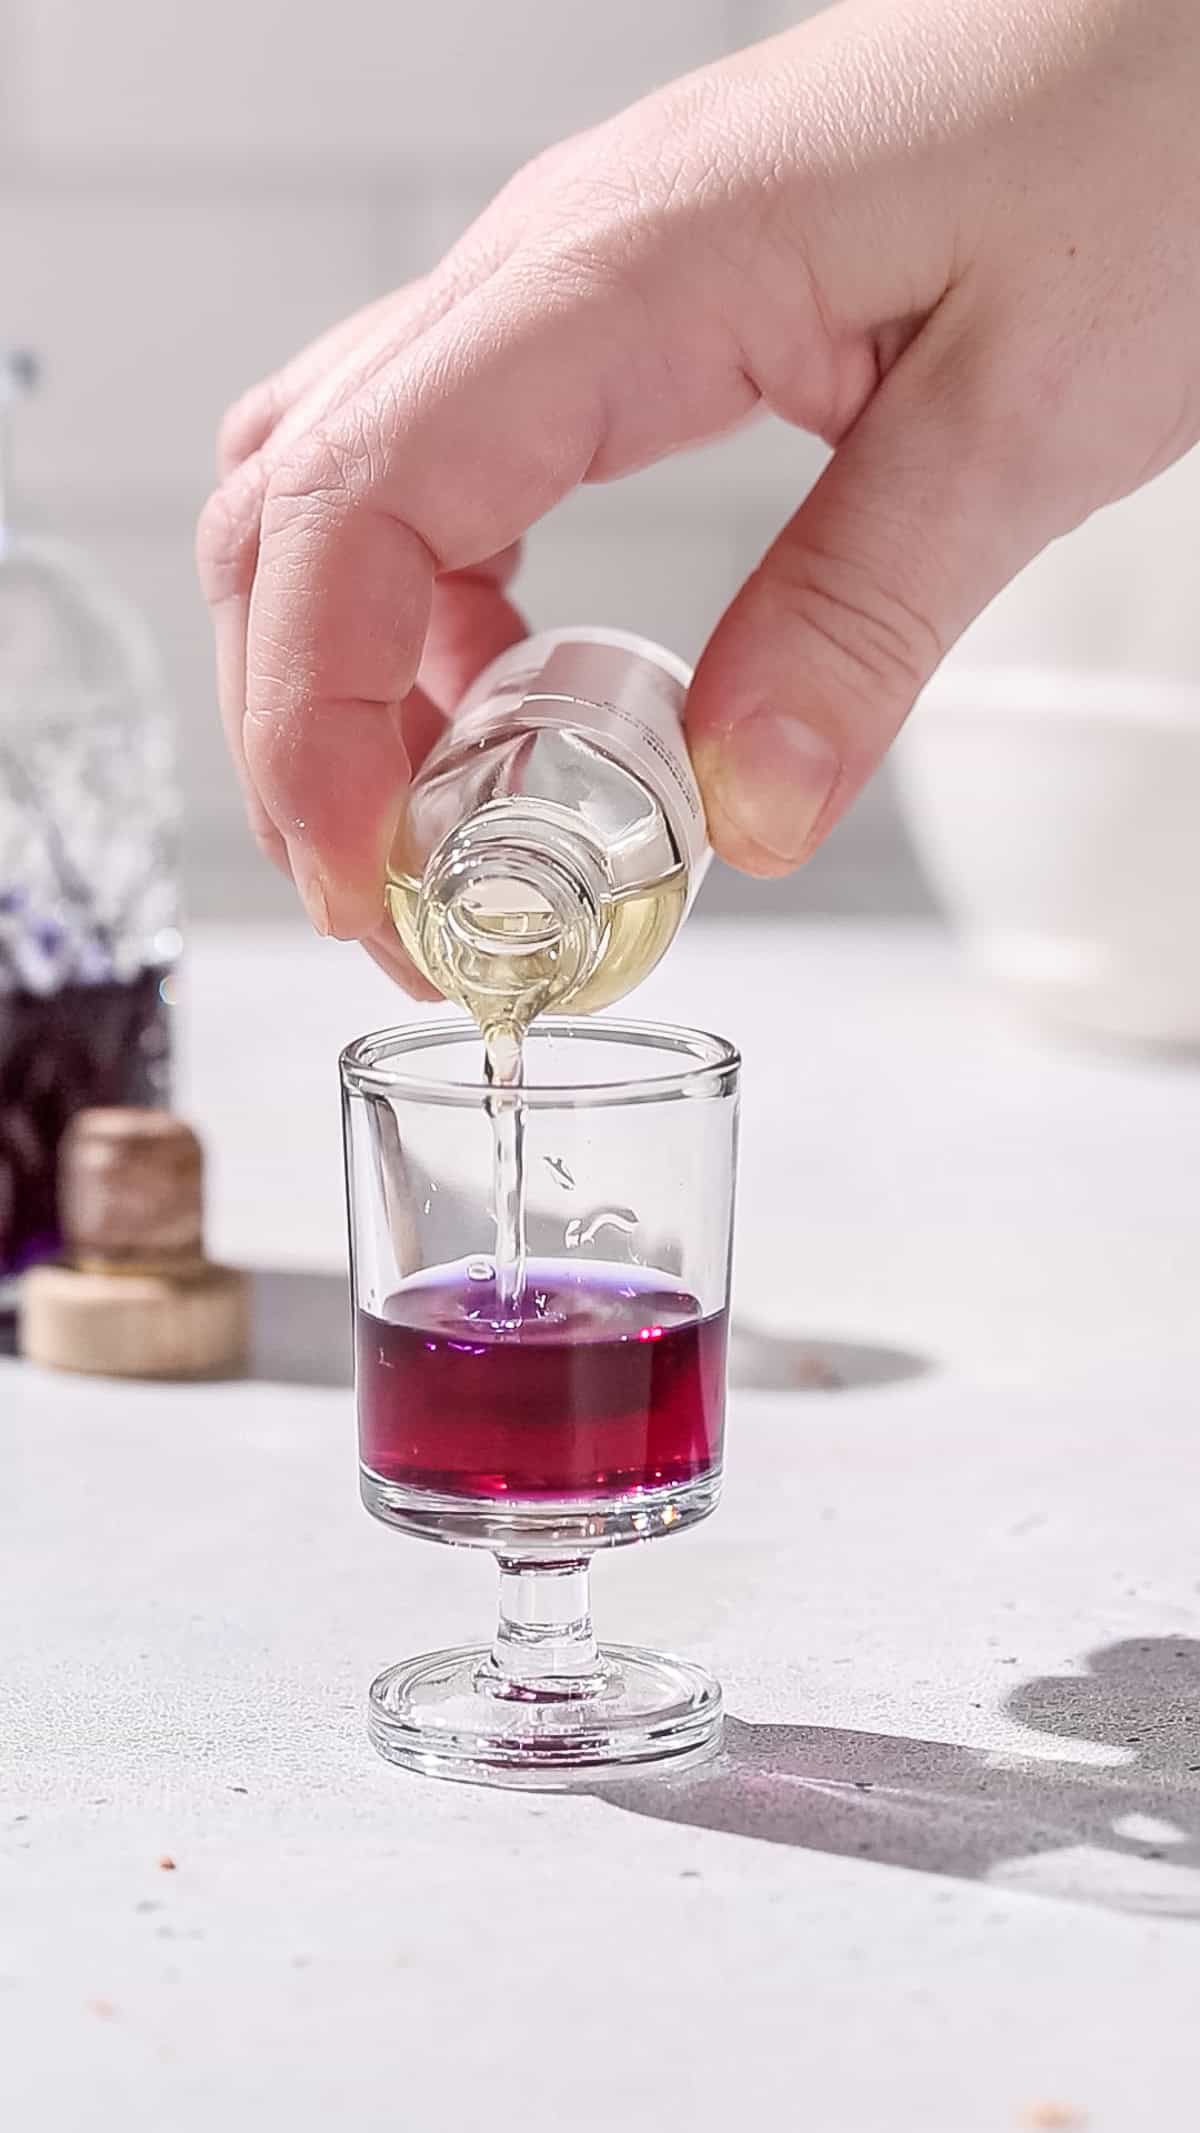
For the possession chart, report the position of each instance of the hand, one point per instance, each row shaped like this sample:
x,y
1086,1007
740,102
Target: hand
x,y
960,243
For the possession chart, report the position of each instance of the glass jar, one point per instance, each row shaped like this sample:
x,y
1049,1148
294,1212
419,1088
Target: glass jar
x,y
88,899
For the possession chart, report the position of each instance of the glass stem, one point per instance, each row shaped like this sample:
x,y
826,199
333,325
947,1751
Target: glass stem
x,y
545,1647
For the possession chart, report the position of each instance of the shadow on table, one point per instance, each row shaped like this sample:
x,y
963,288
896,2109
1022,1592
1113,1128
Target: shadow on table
x,y
771,1362
302,1332
1124,1835
302,1336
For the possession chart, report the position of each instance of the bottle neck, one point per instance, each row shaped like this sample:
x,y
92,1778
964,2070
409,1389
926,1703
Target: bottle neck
x,y
512,914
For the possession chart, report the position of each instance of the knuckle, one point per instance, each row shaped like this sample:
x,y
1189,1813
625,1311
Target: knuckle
x,y
227,537
536,180
586,211
875,632
246,425
318,475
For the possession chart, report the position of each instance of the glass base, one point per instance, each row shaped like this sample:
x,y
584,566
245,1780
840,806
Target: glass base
x,y
450,1714
531,1526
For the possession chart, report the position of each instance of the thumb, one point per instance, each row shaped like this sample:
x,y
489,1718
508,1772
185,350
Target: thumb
x,y
923,513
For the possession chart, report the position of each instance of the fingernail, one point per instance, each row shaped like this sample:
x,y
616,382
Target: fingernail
x,y
772,777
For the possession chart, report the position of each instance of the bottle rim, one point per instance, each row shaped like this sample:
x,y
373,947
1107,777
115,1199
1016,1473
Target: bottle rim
x,y
504,855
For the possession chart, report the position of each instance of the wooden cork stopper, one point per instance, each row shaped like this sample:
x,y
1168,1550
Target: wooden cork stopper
x,y
131,1192
134,1296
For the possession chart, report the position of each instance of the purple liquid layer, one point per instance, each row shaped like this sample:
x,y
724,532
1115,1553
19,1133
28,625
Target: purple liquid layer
x,y
83,1045
611,1381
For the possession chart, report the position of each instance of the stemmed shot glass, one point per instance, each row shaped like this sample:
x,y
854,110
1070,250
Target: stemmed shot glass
x,y
580,1406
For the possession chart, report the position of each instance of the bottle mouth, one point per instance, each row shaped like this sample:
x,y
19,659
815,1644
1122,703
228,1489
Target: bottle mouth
x,y
511,916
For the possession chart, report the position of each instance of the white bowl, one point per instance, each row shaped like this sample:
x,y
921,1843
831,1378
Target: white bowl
x,y
1057,815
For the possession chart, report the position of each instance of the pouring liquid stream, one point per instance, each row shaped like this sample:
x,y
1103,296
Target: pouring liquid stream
x,y
504,1068
506,954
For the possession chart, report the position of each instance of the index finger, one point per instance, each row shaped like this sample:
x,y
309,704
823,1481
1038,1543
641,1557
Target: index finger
x,y
444,460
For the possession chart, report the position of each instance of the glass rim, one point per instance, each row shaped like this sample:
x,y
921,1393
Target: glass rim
x,y
368,1065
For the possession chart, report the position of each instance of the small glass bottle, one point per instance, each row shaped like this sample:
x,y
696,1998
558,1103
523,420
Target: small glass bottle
x,y
554,837
88,919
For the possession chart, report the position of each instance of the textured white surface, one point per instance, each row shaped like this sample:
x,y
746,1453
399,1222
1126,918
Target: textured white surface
x,y
950,1872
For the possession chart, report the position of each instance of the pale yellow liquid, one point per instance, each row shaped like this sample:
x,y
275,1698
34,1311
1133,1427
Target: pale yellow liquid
x,y
523,981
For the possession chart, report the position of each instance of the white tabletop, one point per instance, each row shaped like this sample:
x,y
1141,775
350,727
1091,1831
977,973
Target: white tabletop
x,y
947,1878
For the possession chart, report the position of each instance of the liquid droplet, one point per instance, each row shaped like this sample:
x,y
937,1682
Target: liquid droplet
x,y
558,1169
480,1270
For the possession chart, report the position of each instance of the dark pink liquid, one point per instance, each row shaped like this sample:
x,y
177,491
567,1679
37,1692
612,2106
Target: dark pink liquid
x,y
612,1380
